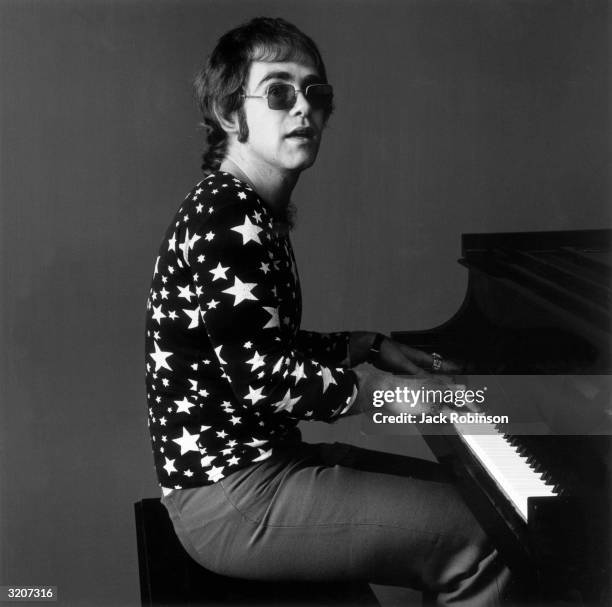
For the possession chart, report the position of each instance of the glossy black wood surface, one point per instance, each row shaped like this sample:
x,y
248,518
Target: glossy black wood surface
x,y
538,303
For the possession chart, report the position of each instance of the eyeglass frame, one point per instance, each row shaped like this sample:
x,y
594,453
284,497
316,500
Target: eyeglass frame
x,y
295,92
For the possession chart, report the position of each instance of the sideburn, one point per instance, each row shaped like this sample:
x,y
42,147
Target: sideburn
x,y
243,129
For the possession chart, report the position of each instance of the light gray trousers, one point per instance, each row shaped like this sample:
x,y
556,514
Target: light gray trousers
x,y
338,512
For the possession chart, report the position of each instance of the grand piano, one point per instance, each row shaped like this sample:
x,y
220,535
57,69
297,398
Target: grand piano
x,y
537,307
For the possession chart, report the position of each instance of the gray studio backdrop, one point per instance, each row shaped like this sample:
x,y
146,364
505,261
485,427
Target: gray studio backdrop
x,y
454,116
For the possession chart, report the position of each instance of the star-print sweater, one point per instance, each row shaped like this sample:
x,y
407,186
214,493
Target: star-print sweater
x,y
229,372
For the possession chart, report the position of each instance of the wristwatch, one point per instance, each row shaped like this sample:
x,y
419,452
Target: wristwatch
x,y
374,351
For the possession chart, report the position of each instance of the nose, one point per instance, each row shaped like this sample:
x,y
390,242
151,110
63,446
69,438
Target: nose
x,y
301,105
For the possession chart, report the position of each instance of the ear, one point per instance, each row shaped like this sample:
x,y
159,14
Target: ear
x,y
228,123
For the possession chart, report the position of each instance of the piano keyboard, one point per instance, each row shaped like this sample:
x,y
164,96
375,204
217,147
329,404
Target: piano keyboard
x,y
508,468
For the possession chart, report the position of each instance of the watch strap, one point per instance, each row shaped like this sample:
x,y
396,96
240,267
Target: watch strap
x,y
374,351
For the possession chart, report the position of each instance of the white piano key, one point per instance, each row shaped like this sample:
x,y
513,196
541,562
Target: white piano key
x,y
508,468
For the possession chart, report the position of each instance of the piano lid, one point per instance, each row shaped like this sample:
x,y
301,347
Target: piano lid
x,y
567,273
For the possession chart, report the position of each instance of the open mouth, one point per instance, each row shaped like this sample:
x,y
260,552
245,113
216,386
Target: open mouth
x,y
302,133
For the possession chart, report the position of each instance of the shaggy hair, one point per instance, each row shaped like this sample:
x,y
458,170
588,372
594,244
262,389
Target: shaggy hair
x,y
218,85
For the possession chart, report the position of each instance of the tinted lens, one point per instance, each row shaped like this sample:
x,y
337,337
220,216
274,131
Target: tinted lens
x,y
320,96
281,96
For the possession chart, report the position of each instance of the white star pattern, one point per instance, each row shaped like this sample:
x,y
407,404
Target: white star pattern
x,y
194,316
298,372
327,377
216,474
256,442
256,362
185,292
230,326
183,406
263,455
249,231
286,404
277,366
241,291
158,314
169,466
187,442
160,358
219,272
206,460
218,353
188,244
254,395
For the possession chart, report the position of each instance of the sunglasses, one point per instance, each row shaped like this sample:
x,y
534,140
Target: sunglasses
x,y
283,96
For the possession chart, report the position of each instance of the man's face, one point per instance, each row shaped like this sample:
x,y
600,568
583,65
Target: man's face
x,y
273,142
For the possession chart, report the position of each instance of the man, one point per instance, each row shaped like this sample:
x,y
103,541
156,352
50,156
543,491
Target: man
x,y
230,373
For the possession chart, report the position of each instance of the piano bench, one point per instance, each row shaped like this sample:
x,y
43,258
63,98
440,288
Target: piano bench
x,y
169,576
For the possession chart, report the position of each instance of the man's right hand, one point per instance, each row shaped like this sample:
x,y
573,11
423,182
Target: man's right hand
x,y
371,379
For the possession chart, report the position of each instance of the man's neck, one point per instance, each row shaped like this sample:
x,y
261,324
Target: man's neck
x,y
274,187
